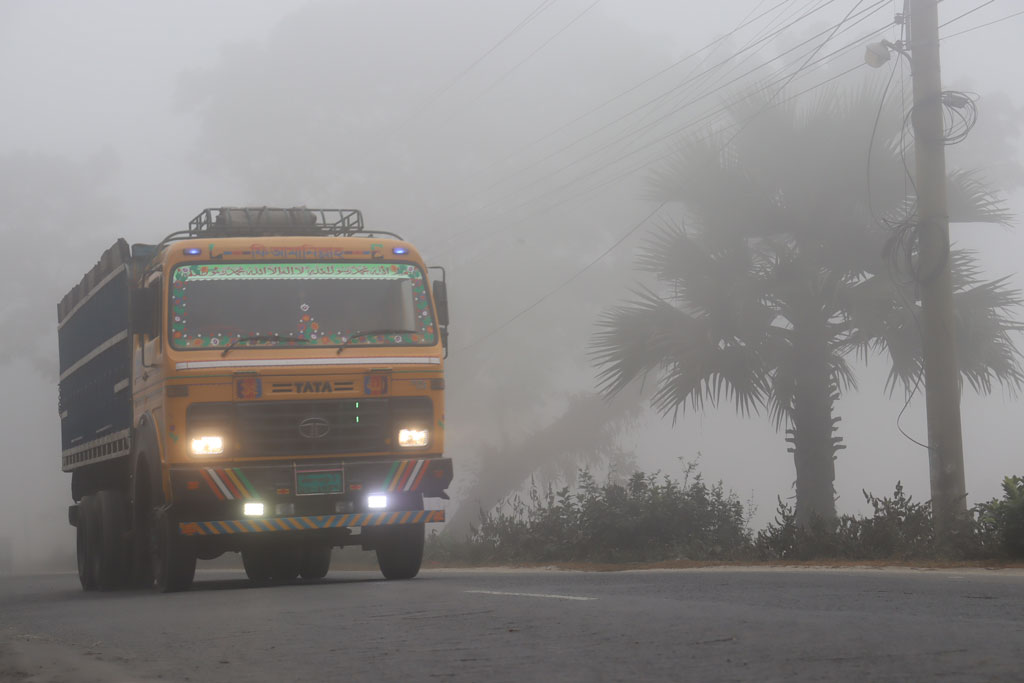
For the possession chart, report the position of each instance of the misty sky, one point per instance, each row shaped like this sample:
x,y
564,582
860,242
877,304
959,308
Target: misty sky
x,y
127,118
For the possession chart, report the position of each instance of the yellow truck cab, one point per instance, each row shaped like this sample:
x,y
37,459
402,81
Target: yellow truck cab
x,y
268,381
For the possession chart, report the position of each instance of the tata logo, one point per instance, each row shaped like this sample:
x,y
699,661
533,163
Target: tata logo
x,y
313,387
314,428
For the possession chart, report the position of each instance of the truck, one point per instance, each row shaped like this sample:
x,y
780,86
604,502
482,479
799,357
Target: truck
x,y
268,381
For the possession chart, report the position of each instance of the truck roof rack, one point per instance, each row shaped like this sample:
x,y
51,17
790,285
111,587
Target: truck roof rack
x,y
264,221
232,221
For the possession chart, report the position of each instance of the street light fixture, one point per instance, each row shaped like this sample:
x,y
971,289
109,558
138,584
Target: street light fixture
x,y
877,54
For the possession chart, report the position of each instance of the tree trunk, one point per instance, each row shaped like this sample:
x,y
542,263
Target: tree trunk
x,y
813,445
814,452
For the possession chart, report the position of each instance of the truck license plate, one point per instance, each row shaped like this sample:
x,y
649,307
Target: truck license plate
x,y
318,482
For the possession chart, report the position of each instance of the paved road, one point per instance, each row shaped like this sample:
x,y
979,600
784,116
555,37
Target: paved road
x,y
515,625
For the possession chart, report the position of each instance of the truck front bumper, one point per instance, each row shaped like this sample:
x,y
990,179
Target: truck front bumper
x,y
311,523
302,498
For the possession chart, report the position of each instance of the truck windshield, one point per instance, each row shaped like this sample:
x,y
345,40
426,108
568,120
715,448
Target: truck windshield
x,y
214,304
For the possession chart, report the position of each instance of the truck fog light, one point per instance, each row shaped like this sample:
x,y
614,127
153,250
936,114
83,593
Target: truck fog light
x,y
253,509
376,501
207,445
285,508
413,438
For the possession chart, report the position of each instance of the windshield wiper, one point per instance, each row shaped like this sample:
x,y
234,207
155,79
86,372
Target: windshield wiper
x,y
263,338
367,333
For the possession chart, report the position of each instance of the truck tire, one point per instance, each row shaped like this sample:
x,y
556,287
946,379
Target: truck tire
x,y
285,561
277,562
113,563
256,562
83,542
316,561
174,560
141,515
400,551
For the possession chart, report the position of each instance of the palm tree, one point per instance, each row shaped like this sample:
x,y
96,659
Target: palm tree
x,y
787,267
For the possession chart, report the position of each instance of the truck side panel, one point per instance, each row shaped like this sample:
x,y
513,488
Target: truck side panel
x,y
94,340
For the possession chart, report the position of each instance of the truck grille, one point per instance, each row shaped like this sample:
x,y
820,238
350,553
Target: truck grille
x,y
297,428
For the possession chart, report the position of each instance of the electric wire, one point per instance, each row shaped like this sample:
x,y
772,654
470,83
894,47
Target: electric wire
x,y
534,13
674,100
804,65
428,101
566,282
960,114
967,13
637,226
688,81
647,163
890,264
656,99
907,179
622,239
518,191
526,59
637,86
736,63
675,132
975,28
677,109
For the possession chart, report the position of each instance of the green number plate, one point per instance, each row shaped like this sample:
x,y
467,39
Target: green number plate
x,y
318,482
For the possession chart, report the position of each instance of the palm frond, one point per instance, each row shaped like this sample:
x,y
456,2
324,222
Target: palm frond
x,y
986,352
885,316
970,200
724,286
650,335
634,339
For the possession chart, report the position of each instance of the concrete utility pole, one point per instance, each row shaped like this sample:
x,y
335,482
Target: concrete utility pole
x,y
941,372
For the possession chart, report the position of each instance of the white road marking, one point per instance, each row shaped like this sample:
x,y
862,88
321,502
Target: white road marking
x,y
534,595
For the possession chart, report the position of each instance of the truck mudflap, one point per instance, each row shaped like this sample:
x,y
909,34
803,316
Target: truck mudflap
x,y
257,525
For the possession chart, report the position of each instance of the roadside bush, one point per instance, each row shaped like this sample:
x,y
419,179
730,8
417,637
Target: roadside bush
x,y
650,518
653,518
898,528
1001,522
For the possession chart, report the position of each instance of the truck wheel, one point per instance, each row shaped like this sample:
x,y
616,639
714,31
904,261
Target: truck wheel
x,y
111,512
174,561
316,561
278,562
286,562
257,564
86,514
141,553
400,551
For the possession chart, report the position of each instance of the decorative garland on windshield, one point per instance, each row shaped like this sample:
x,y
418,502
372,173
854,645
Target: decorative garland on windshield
x,y
307,327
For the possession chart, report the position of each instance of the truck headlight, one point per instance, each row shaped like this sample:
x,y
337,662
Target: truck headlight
x,y
413,438
207,445
253,509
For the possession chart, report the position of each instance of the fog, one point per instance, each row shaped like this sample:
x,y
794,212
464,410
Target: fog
x,y
510,141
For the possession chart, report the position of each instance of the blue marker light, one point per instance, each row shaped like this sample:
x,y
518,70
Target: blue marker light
x,y
193,251
400,250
